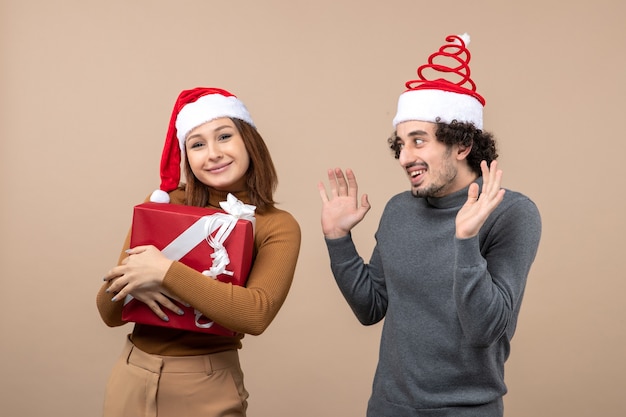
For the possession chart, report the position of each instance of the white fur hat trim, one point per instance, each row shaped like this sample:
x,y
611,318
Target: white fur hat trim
x,y
205,109
428,104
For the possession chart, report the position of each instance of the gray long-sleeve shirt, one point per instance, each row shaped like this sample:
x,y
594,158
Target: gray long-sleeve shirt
x,y
450,305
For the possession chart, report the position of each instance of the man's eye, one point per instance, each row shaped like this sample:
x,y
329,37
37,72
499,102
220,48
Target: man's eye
x,y
419,141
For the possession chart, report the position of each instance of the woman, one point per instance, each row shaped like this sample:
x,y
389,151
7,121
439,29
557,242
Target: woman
x,y
184,373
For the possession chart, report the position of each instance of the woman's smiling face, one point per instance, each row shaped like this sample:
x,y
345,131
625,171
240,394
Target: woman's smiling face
x,y
217,155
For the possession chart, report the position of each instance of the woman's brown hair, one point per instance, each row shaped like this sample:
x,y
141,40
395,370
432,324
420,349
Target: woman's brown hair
x,y
261,177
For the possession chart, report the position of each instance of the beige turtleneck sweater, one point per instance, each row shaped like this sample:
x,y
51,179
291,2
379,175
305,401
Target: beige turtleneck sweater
x,y
248,309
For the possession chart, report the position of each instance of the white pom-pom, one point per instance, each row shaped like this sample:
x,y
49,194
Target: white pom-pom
x,y
160,196
466,38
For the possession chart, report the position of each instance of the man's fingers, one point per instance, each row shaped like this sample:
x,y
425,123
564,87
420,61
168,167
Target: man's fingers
x,y
322,190
353,189
492,179
339,184
472,193
365,204
332,182
342,184
336,181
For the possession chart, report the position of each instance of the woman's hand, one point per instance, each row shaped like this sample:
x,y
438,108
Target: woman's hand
x,y
141,275
155,299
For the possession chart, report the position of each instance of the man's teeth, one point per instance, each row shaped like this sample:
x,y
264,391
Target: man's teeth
x,y
416,173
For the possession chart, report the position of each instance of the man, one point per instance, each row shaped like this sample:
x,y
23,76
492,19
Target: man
x,y
451,259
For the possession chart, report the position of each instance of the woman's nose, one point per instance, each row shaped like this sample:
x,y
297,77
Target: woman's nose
x,y
214,151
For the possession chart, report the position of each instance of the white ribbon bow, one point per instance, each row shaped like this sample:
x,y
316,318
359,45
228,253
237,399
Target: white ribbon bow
x,y
224,223
238,209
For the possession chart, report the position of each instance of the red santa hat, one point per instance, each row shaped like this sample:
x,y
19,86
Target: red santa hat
x,y
192,108
436,98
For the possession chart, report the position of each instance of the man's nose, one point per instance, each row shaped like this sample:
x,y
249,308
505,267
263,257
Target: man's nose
x,y
405,157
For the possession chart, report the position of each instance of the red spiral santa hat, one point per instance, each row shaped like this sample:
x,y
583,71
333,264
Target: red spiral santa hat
x,y
192,108
437,98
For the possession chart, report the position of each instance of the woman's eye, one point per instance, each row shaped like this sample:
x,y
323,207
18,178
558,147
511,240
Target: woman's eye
x,y
225,136
195,145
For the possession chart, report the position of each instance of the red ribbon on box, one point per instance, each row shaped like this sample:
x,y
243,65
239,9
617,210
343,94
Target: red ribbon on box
x,y
218,243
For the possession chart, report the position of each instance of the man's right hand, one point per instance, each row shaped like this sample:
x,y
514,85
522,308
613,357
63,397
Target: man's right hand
x,y
341,210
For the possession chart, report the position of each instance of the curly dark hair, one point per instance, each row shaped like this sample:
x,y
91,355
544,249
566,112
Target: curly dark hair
x,y
464,134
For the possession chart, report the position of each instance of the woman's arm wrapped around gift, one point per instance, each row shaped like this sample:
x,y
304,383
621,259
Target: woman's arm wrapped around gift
x,y
250,308
148,276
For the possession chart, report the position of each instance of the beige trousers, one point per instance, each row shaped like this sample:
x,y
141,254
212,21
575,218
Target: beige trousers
x,y
145,385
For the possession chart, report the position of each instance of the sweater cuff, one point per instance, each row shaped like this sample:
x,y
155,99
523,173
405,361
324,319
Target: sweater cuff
x,y
341,249
173,280
468,252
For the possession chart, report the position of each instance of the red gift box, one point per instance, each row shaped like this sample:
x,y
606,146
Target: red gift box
x,y
211,241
